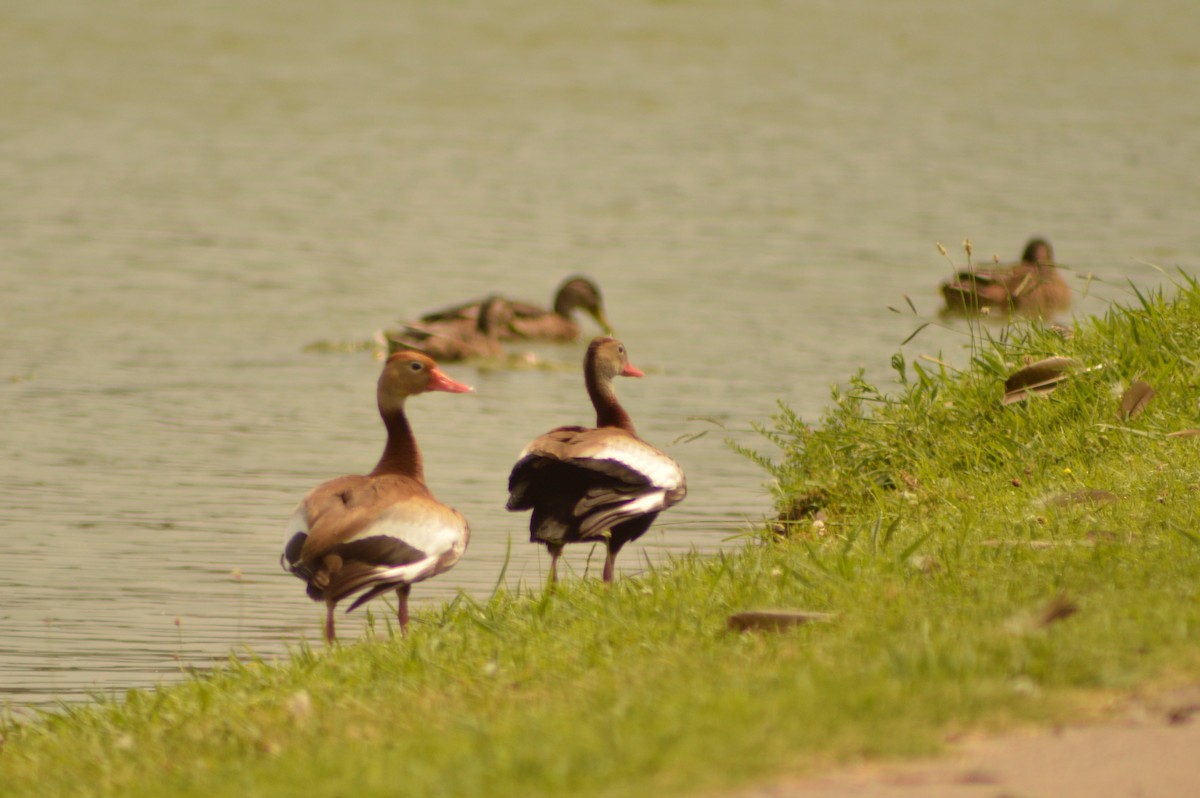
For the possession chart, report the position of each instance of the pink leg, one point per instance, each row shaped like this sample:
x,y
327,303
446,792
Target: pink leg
x,y
402,611
329,634
555,553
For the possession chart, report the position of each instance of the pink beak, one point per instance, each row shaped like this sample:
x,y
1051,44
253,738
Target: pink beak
x,y
631,370
440,382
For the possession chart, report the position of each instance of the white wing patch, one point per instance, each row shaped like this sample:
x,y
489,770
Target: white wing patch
x,y
437,562
660,470
604,518
415,572
428,533
297,523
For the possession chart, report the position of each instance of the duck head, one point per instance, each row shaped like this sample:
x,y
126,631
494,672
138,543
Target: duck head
x,y
583,293
409,373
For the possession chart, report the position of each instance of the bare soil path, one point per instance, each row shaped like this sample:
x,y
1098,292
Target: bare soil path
x,y
1153,752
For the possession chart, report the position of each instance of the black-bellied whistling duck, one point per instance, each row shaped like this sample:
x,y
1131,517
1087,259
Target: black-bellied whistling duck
x,y
1033,287
535,323
452,340
371,534
603,483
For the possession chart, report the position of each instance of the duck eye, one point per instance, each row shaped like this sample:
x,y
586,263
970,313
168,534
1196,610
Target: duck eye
x,y
415,366
621,349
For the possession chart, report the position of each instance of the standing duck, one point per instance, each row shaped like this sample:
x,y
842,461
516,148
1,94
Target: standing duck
x,y
535,323
1033,287
368,535
451,340
603,483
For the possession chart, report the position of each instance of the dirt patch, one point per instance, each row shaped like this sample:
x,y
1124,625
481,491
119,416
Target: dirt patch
x,y
1154,753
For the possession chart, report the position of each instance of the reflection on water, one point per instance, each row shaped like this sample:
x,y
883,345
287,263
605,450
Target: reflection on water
x,y
188,197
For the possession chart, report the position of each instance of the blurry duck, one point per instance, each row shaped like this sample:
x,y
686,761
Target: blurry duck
x,y
1033,287
533,322
598,484
452,340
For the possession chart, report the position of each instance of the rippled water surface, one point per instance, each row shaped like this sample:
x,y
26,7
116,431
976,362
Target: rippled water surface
x,y
192,192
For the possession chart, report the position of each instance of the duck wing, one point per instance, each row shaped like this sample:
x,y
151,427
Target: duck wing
x,y
358,532
581,482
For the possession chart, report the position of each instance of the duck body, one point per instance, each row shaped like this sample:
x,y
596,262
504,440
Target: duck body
x,y
533,322
378,532
450,340
1033,287
364,535
602,483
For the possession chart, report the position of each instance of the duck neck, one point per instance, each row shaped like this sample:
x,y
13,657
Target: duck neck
x,y
567,301
401,455
609,412
483,321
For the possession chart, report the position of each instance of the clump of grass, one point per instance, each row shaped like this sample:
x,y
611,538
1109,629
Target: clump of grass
x,y
972,573
944,430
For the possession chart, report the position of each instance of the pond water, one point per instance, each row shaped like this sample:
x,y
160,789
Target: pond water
x,y
190,193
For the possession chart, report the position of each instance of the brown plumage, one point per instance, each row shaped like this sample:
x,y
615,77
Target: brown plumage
x,y
592,484
366,535
534,322
451,340
1033,287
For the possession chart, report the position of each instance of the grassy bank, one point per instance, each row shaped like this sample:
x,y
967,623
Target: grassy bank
x,y
984,565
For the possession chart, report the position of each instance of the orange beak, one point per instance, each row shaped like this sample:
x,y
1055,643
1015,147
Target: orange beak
x,y
631,370
440,382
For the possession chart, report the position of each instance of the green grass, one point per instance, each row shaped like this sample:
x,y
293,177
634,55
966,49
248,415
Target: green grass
x,y
928,521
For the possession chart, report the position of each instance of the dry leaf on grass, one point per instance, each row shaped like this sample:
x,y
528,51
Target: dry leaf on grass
x,y
1058,608
773,620
1040,377
1134,400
